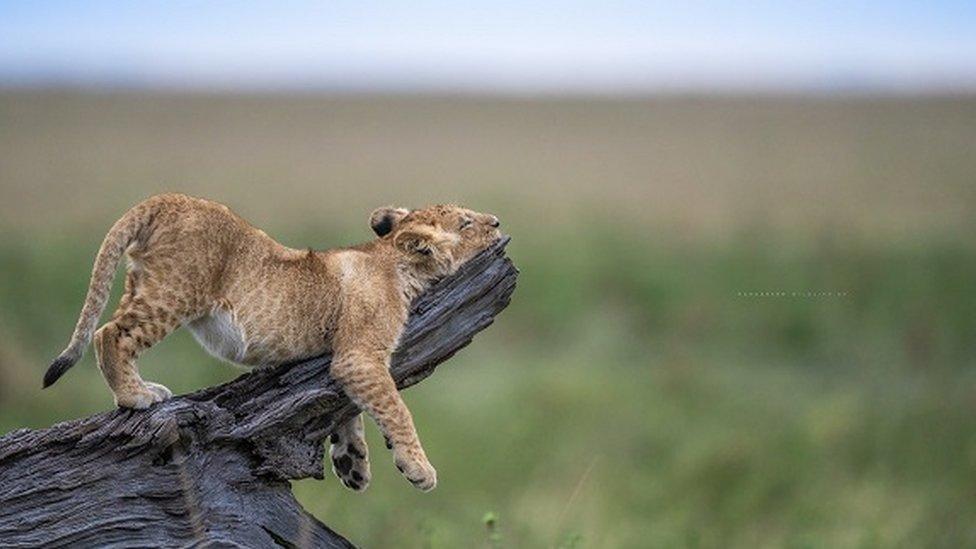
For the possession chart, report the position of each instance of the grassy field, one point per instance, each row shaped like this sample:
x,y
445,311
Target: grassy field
x,y
740,321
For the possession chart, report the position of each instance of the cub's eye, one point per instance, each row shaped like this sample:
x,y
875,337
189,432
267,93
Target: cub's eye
x,y
465,224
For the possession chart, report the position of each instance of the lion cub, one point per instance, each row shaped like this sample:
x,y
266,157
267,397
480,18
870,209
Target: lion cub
x,y
250,300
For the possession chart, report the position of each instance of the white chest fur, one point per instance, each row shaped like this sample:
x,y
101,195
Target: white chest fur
x,y
220,334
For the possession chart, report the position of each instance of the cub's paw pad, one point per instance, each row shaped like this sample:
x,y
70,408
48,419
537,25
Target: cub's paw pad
x,y
351,465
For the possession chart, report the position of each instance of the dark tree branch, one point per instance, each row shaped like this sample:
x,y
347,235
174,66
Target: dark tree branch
x,y
211,468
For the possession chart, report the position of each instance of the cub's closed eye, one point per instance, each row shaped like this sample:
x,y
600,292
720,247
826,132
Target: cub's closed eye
x,y
465,224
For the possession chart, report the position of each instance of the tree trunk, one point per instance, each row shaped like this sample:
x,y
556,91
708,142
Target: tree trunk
x,y
212,468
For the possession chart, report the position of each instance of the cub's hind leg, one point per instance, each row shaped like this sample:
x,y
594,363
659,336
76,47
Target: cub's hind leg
x,y
120,341
350,456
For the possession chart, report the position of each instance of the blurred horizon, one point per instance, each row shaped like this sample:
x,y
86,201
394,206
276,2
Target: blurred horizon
x,y
545,48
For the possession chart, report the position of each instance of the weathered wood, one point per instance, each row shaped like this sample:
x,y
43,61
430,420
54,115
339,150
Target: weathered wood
x,y
212,468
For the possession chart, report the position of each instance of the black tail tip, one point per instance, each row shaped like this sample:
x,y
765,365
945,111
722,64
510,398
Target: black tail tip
x,y
57,369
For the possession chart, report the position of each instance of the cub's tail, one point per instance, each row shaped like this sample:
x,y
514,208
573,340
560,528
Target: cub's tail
x,y
123,233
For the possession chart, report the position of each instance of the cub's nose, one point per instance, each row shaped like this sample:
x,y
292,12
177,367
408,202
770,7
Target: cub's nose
x,y
493,221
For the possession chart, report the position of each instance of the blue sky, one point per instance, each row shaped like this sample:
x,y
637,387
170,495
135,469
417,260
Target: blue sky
x,y
492,46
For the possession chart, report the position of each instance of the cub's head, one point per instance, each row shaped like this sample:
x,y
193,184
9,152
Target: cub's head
x,y
438,237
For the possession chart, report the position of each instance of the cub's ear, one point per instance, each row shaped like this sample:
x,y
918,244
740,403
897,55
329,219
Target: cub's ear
x,y
423,240
384,220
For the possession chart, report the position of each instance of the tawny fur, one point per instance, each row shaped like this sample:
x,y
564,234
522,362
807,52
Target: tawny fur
x,y
250,300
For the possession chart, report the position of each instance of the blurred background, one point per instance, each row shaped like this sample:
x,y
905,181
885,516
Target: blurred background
x,y
747,237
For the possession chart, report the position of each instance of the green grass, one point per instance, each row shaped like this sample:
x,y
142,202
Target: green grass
x,y
638,400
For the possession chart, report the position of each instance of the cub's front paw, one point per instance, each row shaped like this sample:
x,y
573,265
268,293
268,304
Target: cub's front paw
x,y
413,464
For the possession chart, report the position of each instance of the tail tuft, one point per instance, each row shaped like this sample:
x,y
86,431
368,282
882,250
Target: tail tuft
x,y
58,368
124,232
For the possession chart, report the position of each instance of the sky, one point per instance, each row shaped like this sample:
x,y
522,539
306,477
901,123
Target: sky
x,y
491,46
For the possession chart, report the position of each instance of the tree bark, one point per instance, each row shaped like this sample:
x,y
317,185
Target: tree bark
x,y
212,468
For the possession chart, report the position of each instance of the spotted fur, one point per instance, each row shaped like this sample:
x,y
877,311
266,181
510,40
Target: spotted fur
x,y
250,300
